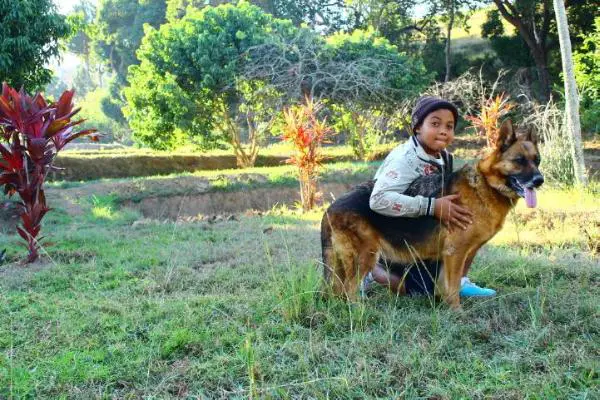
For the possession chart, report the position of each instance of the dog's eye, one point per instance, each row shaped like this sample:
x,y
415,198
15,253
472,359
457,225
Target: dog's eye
x,y
521,160
536,161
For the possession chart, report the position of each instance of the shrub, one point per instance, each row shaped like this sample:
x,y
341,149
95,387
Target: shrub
x,y
555,146
34,133
94,115
488,122
306,132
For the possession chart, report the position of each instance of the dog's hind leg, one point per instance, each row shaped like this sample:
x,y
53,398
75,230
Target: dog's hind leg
x,y
346,266
362,264
334,271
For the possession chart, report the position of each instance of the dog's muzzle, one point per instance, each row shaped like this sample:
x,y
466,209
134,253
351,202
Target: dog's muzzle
x,y
527,189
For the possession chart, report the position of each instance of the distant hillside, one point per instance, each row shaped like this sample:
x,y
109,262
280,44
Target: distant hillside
x,y
476,20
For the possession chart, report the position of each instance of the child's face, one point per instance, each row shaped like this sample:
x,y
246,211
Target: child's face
x,y
437,131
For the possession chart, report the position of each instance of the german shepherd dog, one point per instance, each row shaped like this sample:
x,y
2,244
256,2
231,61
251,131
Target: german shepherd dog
x,y
353,236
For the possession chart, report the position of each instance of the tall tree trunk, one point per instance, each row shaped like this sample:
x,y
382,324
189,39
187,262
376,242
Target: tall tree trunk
x,y
539,56
449,40
572,97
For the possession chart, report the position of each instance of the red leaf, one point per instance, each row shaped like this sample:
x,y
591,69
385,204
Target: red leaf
x,y
37,148
13,161
22,233
64,104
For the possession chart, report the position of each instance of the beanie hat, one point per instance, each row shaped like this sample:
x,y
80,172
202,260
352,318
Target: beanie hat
x,y
429,104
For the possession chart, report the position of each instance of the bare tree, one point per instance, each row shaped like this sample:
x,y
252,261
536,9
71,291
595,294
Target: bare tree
x,y
303,67
572,97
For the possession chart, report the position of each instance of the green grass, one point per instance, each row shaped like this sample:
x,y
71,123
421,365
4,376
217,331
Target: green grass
x,y
123,307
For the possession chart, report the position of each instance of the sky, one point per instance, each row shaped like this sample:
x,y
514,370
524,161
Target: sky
x,y
64,6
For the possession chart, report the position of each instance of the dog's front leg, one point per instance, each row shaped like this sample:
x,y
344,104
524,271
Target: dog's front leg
x,y
452,272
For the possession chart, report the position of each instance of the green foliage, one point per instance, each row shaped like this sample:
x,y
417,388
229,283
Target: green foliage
x,y
120,30
190,79
323,15
82,81
510,49
587,74
88,74
92,112
539,24
364,129
221,72
29,37
393,20
158,109
83,29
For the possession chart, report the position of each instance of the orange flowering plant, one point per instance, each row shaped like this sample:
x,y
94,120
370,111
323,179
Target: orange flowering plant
x,y
306,132
487,124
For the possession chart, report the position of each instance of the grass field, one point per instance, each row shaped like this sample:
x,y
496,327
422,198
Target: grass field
x,y
126,307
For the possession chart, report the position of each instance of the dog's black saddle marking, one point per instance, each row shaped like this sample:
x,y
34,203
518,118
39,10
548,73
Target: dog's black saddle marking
x,y
397,230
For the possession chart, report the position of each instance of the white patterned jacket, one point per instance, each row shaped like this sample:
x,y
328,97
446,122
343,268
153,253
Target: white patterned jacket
x,y
400,168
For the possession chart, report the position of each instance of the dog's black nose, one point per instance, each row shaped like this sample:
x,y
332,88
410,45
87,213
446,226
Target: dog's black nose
x,y
537,180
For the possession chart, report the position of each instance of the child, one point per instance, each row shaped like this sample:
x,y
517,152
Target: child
x,y
433,122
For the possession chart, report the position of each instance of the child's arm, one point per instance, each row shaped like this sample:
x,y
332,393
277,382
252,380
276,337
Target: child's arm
x,y
387,198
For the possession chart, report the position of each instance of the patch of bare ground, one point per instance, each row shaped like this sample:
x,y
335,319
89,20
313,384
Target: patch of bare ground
x,y
218,203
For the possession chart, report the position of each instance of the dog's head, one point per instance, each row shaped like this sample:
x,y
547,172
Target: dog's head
x,y
512,167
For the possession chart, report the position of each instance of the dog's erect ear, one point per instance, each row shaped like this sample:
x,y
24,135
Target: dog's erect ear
x,y
531,135
507,135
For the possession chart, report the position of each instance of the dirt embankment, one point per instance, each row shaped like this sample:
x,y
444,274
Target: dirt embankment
x,y
211,203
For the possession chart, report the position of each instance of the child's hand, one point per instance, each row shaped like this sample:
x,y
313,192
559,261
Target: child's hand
x,y
450,212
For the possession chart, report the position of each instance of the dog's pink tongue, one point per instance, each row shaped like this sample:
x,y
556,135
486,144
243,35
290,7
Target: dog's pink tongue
x,y
530,198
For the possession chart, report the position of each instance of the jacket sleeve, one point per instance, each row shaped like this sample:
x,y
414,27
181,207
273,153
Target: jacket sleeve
x,y
387,197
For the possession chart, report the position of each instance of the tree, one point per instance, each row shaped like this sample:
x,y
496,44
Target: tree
x,y
324,15
190,85
396,21
29,37
587,74
361,67
121,28
532,21
220,75
452,13
359,75
572,98
89,75
119,32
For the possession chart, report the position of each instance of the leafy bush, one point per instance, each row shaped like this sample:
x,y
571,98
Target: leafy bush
x,y
94,116
587,74
487,124
555,146
189,85
34,133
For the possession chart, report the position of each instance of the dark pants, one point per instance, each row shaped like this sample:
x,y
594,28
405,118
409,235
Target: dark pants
x,y
417,279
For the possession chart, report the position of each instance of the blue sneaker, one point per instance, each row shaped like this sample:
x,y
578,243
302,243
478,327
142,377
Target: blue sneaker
x,y
469,289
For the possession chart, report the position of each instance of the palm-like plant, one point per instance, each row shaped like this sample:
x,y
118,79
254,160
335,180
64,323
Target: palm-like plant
x,y
33,133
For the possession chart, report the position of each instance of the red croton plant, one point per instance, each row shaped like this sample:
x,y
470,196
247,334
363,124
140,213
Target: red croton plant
x,y
33,132
307,133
